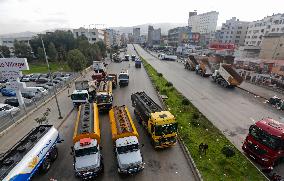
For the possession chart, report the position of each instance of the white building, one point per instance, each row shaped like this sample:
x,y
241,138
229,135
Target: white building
x,y
260,28
203,23
9,42
93,35
234,31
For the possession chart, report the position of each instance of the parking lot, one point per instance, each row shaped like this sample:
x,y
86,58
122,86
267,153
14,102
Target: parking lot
x,y
34,100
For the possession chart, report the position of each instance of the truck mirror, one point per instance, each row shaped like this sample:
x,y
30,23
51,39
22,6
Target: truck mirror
x,y
60,141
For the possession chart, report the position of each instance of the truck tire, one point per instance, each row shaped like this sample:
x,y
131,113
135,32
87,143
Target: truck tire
x,y
53,154
45,166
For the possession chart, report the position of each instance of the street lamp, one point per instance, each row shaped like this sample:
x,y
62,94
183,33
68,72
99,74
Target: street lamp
x,y
51,78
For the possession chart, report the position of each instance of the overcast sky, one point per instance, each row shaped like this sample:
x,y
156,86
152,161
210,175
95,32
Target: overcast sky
x,y
39,15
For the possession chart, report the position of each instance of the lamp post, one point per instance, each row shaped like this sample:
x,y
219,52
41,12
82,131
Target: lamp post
x,y
51,78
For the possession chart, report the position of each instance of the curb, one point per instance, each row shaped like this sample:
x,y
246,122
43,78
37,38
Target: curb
x,y
186,152
252,93
38,107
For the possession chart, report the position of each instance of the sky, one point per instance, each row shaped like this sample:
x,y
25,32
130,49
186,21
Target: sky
x,y
39,15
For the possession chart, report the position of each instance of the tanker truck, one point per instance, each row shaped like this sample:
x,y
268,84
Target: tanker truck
x,y
34,152
160,124
125,141
86,150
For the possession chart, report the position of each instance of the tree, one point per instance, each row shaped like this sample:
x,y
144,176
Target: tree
x,y
76,60
102,48
4,51
22,50
40,54
52,52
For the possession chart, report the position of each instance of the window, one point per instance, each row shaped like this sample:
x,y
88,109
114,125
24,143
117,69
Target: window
x,y
236,41
262,30
237,36
273,29
281,45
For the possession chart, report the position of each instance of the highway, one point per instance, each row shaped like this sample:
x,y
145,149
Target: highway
x,y
168,164
231,110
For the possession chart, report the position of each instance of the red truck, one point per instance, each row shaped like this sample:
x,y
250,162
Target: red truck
x,y
265,142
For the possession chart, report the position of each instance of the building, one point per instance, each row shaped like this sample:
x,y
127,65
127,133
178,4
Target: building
x,y
93,35
234,31
143,39
130,38
272,47
203,23
154,36
9,42
178,36
123,39
136,35
260,28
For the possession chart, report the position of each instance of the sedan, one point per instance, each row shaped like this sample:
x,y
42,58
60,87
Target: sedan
x,y
25,78
42,80
7,109
14,101
8,92
34,77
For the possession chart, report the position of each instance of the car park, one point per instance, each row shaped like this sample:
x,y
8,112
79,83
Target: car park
x,y
34,77
13,101
25,78
7,109
28,95
8,92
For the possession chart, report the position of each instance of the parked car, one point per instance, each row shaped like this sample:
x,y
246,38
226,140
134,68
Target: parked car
x,y
59,78
42,80
28,95
13,101
8,92
3,80
25,78
7,109
34,77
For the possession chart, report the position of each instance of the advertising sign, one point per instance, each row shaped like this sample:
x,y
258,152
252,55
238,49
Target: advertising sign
x,y
15,85
11,75
15,64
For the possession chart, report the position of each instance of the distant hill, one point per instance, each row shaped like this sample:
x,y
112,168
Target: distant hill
x,y
165,27
29,33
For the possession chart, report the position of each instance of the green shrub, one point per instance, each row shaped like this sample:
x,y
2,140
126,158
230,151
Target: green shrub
x,y
169,84
228,151
160,74
185,101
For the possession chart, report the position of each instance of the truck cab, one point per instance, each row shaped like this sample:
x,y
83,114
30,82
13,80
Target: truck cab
x,y
104,96
86,150
133,57
99,67
123,78
138,63
79,97
265,142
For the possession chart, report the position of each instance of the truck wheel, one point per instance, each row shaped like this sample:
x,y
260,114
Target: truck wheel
x,y
53,154
45,166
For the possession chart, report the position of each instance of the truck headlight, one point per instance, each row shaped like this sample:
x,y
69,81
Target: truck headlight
x,y
264,159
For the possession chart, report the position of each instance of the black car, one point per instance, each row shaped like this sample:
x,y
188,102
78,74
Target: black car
x,y
28,95
42,80
34,77
12,102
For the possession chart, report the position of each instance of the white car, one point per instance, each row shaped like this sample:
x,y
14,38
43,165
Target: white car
x,y
7,109
26,78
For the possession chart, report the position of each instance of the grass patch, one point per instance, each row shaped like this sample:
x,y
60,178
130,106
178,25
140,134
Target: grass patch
x,y
42,68
195,128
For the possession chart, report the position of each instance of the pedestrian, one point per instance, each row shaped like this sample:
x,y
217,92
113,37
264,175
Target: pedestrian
x,y
205,147
200,148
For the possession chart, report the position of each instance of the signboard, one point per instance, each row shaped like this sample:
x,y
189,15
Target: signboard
x,y
15,85
11,75
15,64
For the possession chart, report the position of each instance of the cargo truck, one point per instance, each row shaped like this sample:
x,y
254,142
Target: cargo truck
x,y
99,67
86,150
227,76
34,152
167,57
133,57
113,79
160,124
123,78
203,68
190,63
81,93
265,142
138,63
125,141
104,96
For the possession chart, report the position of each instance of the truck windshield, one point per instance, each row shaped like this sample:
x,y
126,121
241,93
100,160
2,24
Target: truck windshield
x,y
123,76
161,130
86,151
266,139
103,99
79,96
127,148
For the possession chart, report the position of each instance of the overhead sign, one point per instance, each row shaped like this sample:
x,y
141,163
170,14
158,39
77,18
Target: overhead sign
x,y
15,64
11,75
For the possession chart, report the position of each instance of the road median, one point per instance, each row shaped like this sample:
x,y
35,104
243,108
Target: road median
x,y
195,128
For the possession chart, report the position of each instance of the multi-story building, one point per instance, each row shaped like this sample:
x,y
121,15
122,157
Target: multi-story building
x,y
123,39
154,36
130,38
9,42
178,36
136,35
234,31
203,23
93,35
260,28
272,46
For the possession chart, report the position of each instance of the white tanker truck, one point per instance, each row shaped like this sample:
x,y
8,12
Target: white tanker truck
x,y
34,152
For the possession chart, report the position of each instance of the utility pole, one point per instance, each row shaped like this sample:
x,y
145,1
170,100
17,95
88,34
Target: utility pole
x,y
51,78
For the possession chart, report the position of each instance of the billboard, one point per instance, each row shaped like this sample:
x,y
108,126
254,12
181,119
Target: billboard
x,y
13,64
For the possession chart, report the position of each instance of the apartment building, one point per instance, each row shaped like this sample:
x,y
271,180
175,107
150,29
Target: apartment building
x,y
136,35
93,35
272,47
178,36
260,28
203,23
154,36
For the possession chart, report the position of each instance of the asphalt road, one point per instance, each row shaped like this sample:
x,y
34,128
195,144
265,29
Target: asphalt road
x,y
231,110
168,164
